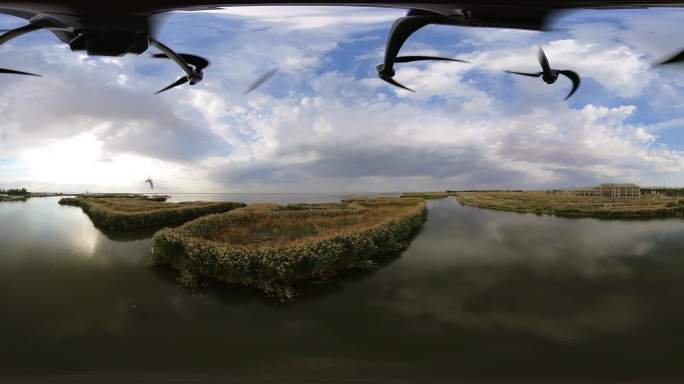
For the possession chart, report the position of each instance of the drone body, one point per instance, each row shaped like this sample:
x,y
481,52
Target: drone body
x,y
117,28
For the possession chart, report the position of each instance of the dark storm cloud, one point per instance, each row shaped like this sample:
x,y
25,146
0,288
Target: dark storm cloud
x,y
465,165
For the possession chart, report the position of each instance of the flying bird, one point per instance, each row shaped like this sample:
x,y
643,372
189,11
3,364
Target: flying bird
x,y
261,80
150,182
550,75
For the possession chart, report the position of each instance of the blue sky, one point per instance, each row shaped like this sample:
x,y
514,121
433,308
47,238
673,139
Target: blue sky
x,y
326,123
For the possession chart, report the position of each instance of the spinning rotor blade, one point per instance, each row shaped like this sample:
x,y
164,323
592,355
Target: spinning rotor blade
x,y
396,84
198,62
13,33
536,74
409,59
575,78
261,80
543,61
15,72
181,80
677,58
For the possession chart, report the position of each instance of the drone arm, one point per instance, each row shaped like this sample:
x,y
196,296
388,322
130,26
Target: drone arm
x,y
9,35
401,30
174,56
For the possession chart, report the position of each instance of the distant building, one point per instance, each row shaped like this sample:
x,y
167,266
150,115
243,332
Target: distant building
x,y
588,192
613,191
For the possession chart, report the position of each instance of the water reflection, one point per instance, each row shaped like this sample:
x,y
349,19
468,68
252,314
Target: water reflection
x,y
555,278
478,294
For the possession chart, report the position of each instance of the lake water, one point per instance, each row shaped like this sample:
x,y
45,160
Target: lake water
x,y
480,296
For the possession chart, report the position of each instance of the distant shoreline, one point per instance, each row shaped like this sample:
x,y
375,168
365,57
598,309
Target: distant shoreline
x,y
566,204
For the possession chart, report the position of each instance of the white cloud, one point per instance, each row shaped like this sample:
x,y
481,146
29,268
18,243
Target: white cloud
x,y
321,17
321,126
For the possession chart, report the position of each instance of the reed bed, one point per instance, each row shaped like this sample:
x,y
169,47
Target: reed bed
x,y
6,198
273,247
426,195
133,213
566,204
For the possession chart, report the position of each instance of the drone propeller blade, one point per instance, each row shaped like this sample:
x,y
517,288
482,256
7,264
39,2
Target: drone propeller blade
x,y
15,72
396,84
198,62
536,74
677,58
543,61
261,80
574,77
181,80
409,59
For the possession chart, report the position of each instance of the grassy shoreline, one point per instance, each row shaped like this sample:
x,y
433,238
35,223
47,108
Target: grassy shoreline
x,y
566,204
13,198
271,247
426,195
132,213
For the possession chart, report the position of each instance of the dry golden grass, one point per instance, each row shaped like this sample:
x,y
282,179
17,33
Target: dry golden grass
x,y
269,247
282,226
567,204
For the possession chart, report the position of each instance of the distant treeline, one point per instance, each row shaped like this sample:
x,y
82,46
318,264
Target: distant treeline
x,y
485,190
663,191
14,192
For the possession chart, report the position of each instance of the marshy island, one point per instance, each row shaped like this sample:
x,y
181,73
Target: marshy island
x,y
269,247
272,247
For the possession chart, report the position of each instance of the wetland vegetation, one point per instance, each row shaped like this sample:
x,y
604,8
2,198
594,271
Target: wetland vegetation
x,y
272,247
566,204
426,195
126,213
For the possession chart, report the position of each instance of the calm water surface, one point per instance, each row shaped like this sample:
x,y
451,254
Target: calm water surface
x,y
479,296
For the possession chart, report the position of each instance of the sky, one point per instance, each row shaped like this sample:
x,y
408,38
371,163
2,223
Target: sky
x,y
325,123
